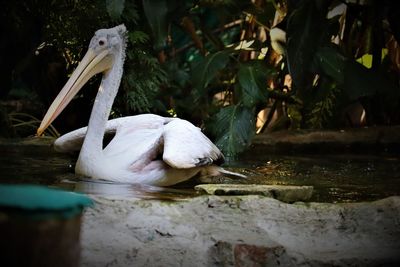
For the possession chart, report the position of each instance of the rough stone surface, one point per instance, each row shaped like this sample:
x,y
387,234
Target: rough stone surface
x,y
285,193
369,140
240,231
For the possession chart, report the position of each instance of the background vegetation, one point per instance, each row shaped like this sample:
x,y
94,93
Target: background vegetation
x,y
210,62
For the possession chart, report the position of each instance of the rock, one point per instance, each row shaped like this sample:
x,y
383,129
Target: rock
x,y
361,140
242,255
246,230
285,193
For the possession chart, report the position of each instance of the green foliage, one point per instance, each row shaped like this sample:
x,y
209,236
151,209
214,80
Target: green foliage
x,y
360,81
252,77
331,63
138,37
354,79
115,8
323,109
231,124
208,68
294,115
142,81
303,36
156,13
310,52
183,55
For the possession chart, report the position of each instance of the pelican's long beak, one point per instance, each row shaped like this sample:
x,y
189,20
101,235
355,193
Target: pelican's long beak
x,y
91,64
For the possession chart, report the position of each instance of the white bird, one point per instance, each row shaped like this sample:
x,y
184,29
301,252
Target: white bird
x,y
148,148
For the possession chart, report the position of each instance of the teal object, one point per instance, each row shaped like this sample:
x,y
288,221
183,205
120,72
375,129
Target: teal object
x,y
40,202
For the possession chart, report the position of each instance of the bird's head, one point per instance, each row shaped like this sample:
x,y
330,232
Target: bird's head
x,y
108,42
103,50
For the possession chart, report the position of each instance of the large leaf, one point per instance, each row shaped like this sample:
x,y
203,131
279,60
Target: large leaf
x,y
130,13
363,82
234,127
252,77
331,62
156,13
115,8
360,81
176,73
206,70
356,80
304,31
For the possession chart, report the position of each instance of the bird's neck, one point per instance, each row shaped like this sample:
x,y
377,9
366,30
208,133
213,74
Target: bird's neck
x,y
93,143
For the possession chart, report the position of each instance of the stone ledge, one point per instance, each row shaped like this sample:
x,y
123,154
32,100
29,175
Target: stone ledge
x,y
356,139
240,231
285,193
242,255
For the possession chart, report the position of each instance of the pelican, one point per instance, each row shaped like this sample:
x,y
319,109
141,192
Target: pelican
x,y
146,149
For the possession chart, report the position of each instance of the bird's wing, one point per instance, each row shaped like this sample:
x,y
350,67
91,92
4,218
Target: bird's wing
x,y
73,141
136,135
185,146
126,132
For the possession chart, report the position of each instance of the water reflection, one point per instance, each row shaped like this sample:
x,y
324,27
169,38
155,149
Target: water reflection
x,y
119,190
36,164
336,178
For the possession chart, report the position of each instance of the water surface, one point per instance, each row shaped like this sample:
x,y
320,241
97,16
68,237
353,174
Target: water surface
x,y
335,177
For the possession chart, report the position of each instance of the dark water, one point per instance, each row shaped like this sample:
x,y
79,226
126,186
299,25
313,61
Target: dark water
x,y
38,163
336,178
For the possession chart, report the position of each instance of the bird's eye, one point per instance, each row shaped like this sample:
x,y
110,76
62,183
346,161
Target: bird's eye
x,y
101,42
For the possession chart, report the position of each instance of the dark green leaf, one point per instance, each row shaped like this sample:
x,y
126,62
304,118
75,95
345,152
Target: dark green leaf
x,y
360,81
207,69
331,62
304,30
156,13
176,73
130,12
295,116
252,78
234,127
115,8
138,37
324,106
356,80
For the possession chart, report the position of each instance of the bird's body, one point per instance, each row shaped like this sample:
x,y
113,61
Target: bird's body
x,y
148,148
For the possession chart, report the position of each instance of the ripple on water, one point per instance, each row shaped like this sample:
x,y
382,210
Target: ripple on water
x,y
336,178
